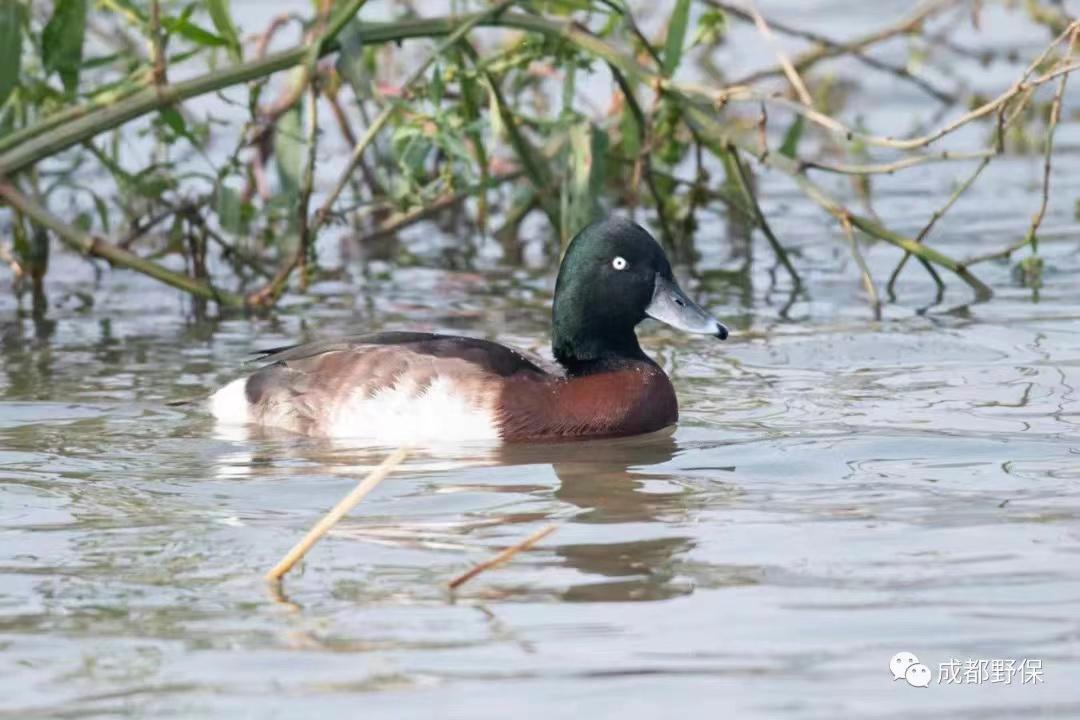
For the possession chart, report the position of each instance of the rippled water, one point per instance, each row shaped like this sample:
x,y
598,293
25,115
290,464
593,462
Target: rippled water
x,y
840,489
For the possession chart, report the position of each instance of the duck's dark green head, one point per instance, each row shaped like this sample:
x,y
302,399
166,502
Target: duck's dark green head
x,y
613,276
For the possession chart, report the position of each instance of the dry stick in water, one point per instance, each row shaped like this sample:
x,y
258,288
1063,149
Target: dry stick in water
x,y
94,246
742,93
826,48
868,280
339,511
742,176
1031,238
1004,121
789,69
502,556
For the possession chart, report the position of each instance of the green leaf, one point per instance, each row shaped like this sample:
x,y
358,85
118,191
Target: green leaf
x,y
219,13
7,120
185,28
676,36
102,211
19,241
565,7
135,15
629,131
62,42
103,60
453,145
536,165
498,128
583,187
598,172
568,89
176,122
351,62
11,16
176,231
154,181
792,137
438,89
289,151
411,148
234,215
710,28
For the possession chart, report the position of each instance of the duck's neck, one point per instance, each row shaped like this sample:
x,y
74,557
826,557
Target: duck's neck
x,y
583,348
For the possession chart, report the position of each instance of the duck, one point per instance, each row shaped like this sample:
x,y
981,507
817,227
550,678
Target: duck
x,y
409,388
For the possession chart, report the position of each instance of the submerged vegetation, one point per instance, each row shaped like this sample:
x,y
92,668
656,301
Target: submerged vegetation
x,y
165,139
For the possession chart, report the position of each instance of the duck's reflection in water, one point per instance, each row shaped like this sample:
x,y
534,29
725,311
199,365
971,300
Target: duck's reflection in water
x,y
632,486
623,482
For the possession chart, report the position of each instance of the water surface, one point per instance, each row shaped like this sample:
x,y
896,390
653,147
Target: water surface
x,y
840,489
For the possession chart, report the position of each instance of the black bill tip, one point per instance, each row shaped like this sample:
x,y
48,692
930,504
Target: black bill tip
x,y
721,331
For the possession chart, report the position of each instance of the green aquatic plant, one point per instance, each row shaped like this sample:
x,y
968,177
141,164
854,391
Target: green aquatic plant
x,y
108,143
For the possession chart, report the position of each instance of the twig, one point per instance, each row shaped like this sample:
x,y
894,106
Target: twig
x,y
937,215
1055,117
138,230
269,293
1031,237
400,221
1003,123
1021,85
743,178
635,30
718,141
875,229
339,511
742,93
307,182
93,121
387,114
789,69
96,247
12,262
646,158
347,133
888,168
868,281
827,47
262,40
228,251
982,292
272,290
157,44
502,557
98,117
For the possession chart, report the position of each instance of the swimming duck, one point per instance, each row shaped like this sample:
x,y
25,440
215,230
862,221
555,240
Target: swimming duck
x,y
414,387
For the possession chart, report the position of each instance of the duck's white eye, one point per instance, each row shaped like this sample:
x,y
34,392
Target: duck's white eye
x,y
619,263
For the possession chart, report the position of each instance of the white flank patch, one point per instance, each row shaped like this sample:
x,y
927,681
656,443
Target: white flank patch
x,y
403,415
230,404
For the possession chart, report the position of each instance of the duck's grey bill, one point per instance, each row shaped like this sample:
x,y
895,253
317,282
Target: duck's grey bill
x,y
670,305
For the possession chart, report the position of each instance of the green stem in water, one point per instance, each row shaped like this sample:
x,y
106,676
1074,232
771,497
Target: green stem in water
x,y
93,246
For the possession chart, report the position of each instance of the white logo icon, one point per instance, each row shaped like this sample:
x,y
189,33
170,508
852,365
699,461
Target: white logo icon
x,y
900,663
918,675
